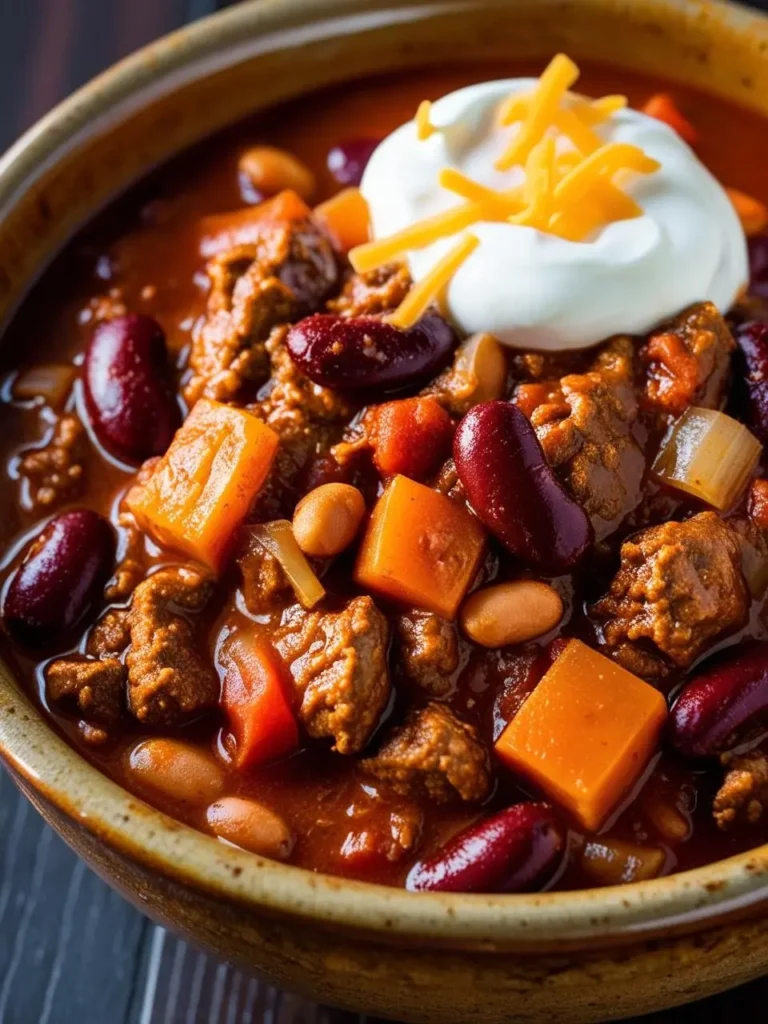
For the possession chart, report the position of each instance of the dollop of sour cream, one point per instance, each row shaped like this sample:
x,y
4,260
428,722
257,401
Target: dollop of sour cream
x,y
534,290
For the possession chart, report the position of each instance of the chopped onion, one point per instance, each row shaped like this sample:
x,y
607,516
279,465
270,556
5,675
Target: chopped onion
x,y
49,381
277,537
709,455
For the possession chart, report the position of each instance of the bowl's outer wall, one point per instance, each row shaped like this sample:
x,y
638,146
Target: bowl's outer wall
x,y
414,958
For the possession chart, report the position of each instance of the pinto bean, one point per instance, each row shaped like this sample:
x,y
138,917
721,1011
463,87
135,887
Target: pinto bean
x,y
365,352
252,826
513,490
327,520
512,851
271,170
128,391
720,702
176,770
511,613
616,862
60,578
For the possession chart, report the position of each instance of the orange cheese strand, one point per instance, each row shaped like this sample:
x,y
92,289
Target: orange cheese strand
x,y
454,181
555,81
419,235
432,287
604,162
590,112
604,205
424,128
541,177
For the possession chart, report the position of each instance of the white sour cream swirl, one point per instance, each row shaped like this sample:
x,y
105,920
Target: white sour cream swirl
x,y
537,291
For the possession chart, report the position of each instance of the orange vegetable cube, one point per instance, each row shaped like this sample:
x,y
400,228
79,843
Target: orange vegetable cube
x,y
585,734
345,218
752,213
221,231
421,548
202,488
663,107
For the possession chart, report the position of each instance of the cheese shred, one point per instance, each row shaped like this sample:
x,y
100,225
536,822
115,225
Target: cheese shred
x,y
432,287
424,127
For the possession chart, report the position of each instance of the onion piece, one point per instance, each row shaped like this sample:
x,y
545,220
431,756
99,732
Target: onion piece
x,y
709,455
277,537
49,381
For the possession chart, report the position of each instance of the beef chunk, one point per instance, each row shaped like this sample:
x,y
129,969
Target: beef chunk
x,y
744,793
284,275
429,650
306,416
111,634
131,565
584,423
168,679
679,587
377,291
94,687
338,661
56,472
687,362
434,754
263,578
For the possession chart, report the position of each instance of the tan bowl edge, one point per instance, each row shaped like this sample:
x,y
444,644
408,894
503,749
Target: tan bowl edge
x,y
42,202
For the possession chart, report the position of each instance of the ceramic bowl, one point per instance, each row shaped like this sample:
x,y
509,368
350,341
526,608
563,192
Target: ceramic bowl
x,y
568,957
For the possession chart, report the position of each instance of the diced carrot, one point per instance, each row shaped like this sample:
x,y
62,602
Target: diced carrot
x,y
421,547
409,436
256,700
345,218
201,489
663,107
221,231
752,213
585,734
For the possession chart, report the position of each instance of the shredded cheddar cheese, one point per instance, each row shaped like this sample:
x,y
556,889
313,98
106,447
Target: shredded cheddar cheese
x,y
424,127
432,287
568,187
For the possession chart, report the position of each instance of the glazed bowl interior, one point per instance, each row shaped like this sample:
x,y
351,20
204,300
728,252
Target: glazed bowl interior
x,y
178,91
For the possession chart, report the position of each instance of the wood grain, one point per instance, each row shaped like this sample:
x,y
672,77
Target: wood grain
x,y
71,950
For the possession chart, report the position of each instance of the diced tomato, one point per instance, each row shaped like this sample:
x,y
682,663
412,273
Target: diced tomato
x,y
410,436
663,107
257,703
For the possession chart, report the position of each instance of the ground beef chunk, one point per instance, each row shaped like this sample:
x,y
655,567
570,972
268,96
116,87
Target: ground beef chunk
x,y
433,754
131,566
111,634
687,362
381,831
429,650
56,472
377,291
263,578
96,688
744,793
338,661
286,274
680,585
584,423
168,679
307,418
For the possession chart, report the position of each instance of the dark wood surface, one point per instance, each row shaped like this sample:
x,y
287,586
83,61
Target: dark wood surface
x,y
71,950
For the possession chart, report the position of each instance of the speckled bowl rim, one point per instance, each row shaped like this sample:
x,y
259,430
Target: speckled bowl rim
x,y
49,767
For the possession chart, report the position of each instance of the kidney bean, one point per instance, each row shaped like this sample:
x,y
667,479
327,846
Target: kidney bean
x,y
512,851
751,385
348,159
365,352
60,578
513,490
128,391
758,265
720,702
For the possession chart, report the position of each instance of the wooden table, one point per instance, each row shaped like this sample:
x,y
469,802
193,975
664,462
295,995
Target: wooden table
x,y
71,950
